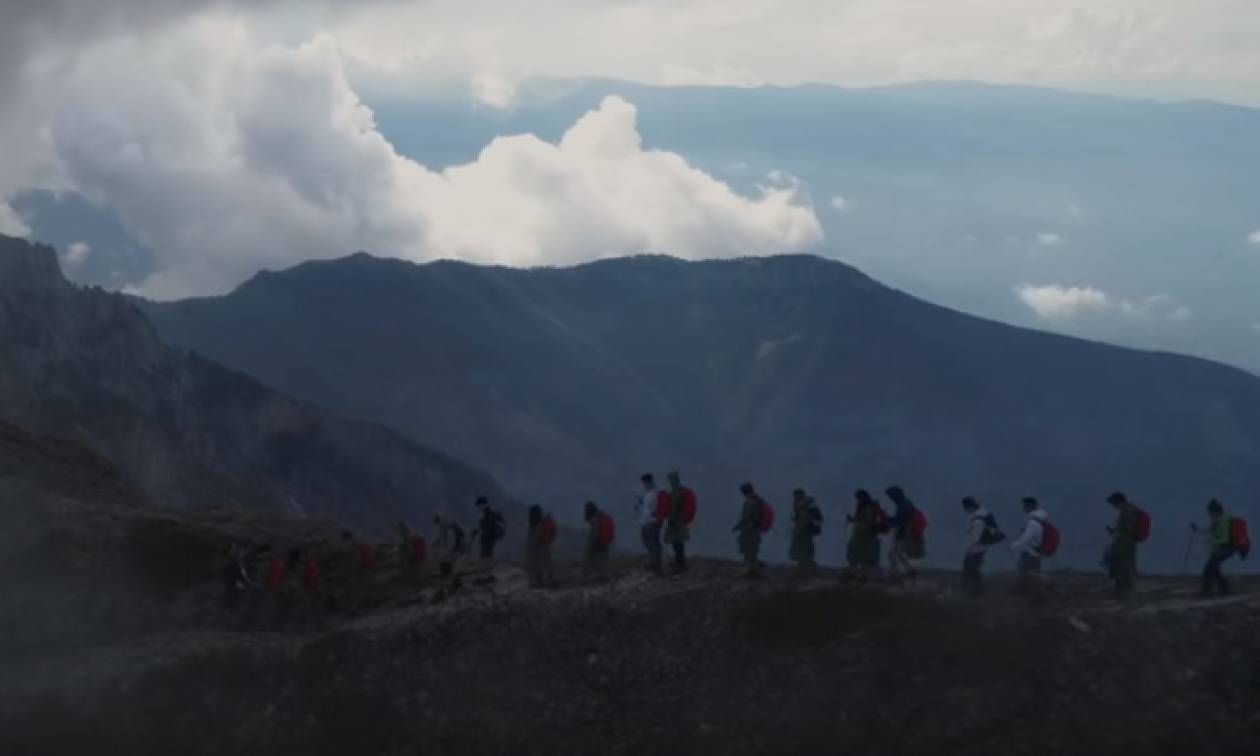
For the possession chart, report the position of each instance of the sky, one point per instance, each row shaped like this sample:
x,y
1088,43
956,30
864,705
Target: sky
x,y
233,136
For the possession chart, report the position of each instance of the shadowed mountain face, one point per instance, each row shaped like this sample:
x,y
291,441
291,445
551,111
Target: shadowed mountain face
x,y
187,432
790,371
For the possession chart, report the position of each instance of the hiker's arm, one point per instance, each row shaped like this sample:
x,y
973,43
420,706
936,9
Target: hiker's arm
x,y
1025,538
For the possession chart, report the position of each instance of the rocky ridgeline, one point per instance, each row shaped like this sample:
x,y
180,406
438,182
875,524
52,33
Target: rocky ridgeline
x,y
189,434
707,662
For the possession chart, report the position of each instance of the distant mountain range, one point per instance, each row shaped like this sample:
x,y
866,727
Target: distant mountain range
x,y
188,433
789,371
958,192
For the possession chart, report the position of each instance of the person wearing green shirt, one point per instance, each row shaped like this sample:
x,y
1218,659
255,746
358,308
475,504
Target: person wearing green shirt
x,y
1221,549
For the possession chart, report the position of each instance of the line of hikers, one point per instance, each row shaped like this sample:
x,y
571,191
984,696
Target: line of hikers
x,y
665,517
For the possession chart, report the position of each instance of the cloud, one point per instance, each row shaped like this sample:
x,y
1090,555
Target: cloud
x,y
1255,237
11,224
717,76
230,155
1049,239
1165,48
838,203
494,90
75,254
1060,303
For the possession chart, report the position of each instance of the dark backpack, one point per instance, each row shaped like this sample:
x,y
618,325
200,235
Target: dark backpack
x,y
992,532
458,532
815,519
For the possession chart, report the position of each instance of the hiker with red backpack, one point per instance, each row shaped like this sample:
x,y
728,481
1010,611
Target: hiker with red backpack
x,y
908,524
1227,536
982,532
682,512
866,524
755,518
600,534
1039,539
542,536
1133,526
652,509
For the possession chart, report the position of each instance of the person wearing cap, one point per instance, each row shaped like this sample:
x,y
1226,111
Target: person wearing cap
x,y
648,512
1122,551
1222,549
1028,547
749,529
978,521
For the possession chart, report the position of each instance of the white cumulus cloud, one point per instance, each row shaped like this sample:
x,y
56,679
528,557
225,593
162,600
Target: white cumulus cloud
x,y
1054,302
839,204
1049,239
229,156
11,224
494,90
1255,237
75,254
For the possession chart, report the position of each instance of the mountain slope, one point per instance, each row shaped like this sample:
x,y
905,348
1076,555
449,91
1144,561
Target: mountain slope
x,y
187,432
787,370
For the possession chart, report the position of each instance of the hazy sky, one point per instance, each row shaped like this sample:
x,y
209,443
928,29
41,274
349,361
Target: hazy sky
x,y
230,136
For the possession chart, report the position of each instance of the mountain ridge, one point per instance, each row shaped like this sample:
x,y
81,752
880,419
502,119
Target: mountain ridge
x,y
189,433
569,382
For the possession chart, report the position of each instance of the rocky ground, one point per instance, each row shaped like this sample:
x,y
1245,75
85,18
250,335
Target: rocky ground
x,y
113,639
705,662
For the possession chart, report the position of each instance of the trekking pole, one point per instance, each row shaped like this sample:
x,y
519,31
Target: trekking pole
x,y
1185,563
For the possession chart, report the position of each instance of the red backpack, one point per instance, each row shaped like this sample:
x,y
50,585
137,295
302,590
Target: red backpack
x,y
310,575
765,518
606,530
918,525
1143,530
547,530
688,506
419,549
1239,538
881,520
367,557
276,574
1050,539
662,506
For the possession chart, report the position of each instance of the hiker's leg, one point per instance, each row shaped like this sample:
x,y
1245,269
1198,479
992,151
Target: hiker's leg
x,y
1211,575
1215,578
657,548
1030,574
680,555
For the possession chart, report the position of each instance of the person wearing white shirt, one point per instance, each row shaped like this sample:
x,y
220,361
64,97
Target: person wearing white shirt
x,y
979,535
1028,546
648,514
